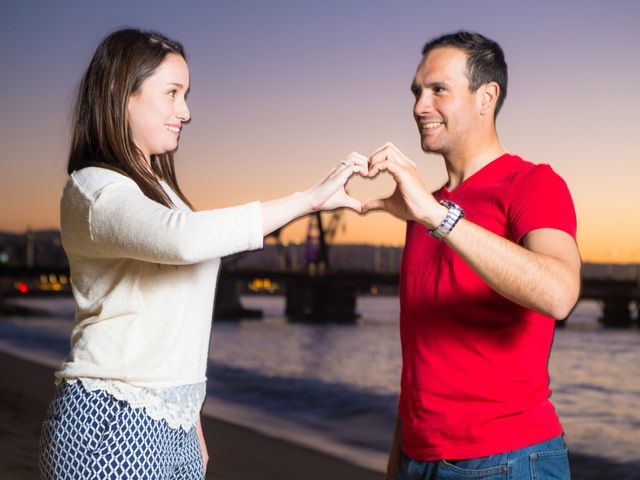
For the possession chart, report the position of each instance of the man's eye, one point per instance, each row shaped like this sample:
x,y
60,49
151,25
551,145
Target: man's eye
x,y
416,92
438,89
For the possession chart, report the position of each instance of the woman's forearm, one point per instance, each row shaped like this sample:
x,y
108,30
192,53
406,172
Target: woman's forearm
x,y
279,212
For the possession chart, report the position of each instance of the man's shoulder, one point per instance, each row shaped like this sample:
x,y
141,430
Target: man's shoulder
x,y
518,164
522,170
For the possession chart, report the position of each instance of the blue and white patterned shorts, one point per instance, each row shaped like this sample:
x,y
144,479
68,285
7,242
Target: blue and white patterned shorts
x,y
91,435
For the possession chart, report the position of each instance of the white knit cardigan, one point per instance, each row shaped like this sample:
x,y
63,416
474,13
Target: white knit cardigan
x,y
143,276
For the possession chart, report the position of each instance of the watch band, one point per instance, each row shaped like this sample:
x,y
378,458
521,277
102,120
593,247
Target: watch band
x,y
454,214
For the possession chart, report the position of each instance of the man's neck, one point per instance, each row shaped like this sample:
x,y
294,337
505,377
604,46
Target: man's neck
x,y
465,162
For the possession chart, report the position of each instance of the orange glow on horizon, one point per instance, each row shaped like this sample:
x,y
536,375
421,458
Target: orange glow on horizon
x,y
378,228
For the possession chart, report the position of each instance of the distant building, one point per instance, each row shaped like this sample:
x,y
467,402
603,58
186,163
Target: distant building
x,y
342,257
41,248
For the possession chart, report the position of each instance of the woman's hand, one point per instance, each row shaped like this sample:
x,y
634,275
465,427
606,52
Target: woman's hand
x,y
330,193
326,195
203,446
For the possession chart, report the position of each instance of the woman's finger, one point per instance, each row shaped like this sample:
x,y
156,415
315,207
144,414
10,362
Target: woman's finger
x,y
353,204
354,158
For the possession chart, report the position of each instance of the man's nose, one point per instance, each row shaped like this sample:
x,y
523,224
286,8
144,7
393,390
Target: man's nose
x,y
423,104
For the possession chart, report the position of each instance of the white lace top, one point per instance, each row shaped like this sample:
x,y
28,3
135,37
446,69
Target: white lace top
x,y
180,406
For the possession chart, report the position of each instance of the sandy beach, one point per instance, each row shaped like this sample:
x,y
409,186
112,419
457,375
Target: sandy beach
x,y
237,453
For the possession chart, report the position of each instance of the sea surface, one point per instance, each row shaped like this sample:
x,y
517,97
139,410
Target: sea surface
x,y
334,387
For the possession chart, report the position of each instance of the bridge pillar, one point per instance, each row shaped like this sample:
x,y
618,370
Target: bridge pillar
x,y
227,304
321,300
616,313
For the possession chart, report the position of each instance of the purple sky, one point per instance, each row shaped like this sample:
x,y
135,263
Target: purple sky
x,y
282,90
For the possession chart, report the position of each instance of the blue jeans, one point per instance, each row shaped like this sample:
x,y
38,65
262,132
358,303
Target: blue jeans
x,y
543,461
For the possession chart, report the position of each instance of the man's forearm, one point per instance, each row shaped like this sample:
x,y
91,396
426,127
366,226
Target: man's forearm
x,y
544,276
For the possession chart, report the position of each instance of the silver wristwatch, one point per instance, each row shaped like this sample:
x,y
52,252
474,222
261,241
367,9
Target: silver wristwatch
x,y
454,215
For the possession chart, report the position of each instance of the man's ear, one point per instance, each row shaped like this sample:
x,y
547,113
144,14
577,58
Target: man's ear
x,y
489,93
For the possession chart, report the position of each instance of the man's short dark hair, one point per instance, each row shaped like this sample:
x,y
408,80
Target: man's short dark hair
x,y
485,60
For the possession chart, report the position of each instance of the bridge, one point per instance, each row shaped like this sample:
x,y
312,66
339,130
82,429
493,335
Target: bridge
x,y
616,297
315,296
333,295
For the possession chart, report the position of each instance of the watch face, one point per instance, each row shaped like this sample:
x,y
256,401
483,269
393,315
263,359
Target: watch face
x,y
454,214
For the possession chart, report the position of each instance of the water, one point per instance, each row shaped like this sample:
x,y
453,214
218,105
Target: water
x,y
335,386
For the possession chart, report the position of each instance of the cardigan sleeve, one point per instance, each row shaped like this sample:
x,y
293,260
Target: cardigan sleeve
x,y
124,223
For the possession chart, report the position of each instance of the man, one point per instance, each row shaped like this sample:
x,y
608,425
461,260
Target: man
x,y
490,261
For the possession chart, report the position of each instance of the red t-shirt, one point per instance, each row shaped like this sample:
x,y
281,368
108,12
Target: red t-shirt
x,y
475,380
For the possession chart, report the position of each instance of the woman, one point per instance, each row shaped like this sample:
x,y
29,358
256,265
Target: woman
x,y
144,268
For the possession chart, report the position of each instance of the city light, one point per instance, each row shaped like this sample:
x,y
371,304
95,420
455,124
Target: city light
x,y
263,285
51,282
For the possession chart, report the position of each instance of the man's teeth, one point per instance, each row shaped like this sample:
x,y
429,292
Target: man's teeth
x,y
173,129
432,124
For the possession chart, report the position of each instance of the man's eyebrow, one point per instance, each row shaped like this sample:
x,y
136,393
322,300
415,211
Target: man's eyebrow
x,y
429,84
437,83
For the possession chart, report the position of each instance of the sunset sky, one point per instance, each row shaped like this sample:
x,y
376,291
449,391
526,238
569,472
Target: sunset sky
x,y
282,90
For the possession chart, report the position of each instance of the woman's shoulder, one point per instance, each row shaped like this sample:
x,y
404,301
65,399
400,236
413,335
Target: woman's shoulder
x,y
92,180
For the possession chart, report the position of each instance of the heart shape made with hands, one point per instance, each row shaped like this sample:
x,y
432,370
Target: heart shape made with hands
x,y
365,189
405,194
375,187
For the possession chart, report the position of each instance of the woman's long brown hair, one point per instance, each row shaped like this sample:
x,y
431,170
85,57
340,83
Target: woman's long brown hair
x,y
101,135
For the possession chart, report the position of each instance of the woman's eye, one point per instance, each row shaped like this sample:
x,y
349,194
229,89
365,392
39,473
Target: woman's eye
x,y
172,93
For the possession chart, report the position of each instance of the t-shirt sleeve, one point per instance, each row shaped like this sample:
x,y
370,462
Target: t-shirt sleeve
x,y
540,198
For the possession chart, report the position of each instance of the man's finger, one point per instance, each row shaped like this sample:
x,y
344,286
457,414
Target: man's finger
x,y
389,155
396,153
385,165
386,146
374,204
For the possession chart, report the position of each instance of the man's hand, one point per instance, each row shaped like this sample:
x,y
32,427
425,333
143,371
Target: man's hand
x,y
542,274
410,199
394,461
